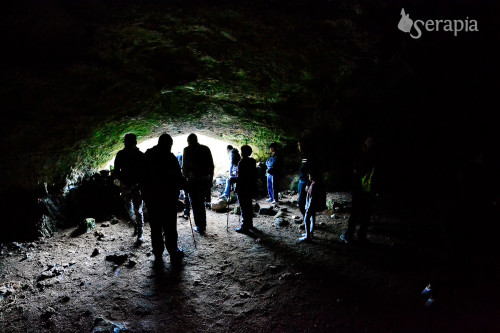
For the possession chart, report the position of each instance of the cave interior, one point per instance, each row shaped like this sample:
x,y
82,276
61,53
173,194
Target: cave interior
x,y
76,76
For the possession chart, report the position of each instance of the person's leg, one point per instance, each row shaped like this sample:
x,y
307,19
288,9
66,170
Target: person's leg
x,y
365,214
126,197
351,224
197,197
246,210
307,224
155,220
302,197
275,188
354,218
187,204
270,189
207,187
138,211
227,188
313,223
169,225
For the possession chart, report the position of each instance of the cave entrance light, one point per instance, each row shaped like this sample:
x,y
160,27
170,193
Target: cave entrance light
x,y
217,147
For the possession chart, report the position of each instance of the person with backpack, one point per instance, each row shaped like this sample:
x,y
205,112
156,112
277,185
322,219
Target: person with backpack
x,y
234,159
362,193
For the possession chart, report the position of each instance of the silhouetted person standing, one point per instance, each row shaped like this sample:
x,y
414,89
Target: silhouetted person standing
x,y
128,169
272,172
307,165
162,184
198,168
234,159
311,207
245,185
362,192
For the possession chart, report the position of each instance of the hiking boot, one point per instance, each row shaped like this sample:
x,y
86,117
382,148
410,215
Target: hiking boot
x,y
140,239
177,255
200,231
158,262
345,238
242,230
305,239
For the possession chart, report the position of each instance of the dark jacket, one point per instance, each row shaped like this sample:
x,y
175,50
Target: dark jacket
x,y
246,176
197,162
128,166
363,165
308,165
163,178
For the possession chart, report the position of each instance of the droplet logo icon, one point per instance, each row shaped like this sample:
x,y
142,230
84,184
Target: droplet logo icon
x,y
414,28
405,23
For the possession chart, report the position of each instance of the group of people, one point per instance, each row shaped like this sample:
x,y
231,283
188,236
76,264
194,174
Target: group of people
x,y
157,177
311,190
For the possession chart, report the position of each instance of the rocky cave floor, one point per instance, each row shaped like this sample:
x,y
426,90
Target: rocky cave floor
x,y
264,282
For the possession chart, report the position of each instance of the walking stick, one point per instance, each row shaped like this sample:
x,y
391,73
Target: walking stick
x,y
192,232
228,206
190,223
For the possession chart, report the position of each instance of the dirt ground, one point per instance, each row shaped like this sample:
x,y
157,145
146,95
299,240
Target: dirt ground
x,y
264,282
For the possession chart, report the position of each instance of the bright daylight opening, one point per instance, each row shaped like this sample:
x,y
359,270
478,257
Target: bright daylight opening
x,y
217,147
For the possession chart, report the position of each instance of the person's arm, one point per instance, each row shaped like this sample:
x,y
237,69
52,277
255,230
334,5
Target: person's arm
x,y
234,179
185,162
177,173
231,161
270,165
142,169
277,164
314,196
210,163
117,166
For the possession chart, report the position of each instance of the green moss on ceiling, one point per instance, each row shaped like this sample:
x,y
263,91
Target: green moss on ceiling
x,y
150,69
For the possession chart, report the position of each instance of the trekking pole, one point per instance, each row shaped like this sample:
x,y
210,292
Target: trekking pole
x,y
228,206
192,232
